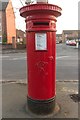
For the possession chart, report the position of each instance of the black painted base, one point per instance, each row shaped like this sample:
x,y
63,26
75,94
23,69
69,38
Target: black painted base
x,y
41,106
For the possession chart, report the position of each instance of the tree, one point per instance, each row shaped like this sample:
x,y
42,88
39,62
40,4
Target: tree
x,y
4,38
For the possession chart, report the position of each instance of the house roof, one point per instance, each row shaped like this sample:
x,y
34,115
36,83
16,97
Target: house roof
x,y
69,31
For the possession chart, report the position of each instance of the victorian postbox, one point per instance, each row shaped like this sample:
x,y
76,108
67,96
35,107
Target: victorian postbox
x,y
41,55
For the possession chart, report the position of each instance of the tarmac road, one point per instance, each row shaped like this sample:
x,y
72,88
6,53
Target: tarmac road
x,y
14,64
67,62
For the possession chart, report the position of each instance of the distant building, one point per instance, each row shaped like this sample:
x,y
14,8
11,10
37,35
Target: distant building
x,y
59,38
7,22
70,35
20,36
10,23
8,32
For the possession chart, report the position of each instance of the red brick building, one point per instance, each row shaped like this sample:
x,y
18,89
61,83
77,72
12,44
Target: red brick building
x,y
10,23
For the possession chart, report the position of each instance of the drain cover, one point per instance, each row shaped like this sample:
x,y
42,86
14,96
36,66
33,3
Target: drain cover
x,y
75,97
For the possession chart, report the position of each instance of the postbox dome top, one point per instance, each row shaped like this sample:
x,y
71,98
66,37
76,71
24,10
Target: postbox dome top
x,y
43,8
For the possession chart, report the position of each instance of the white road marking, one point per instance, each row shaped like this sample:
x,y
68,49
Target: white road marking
x,y
4,56
24,58
12,58
62,57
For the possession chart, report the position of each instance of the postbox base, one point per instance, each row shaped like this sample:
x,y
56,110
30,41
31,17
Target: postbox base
x,y
41,107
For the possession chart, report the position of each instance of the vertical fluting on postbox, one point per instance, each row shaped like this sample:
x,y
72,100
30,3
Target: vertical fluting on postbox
x,y
41,55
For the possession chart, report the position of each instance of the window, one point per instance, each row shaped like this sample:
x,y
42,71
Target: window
x,y
0,27
0,16
0,39
0,20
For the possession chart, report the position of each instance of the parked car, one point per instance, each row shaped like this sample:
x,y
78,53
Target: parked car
x,y
57,42
67,42
72,43
60,41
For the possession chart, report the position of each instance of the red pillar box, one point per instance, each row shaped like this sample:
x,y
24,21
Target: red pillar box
x,y
41,55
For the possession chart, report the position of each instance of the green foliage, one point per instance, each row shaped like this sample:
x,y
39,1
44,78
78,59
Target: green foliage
x,y
4,38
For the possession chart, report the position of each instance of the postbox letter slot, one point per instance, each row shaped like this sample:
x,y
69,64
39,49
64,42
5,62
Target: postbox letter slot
x,y
41,23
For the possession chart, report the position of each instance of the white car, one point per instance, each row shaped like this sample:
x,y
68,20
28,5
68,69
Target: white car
x,y
67,42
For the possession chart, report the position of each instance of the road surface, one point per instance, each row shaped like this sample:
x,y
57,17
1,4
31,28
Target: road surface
x,y
14,65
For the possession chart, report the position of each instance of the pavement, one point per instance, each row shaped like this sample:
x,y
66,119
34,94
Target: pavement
x,y
14,101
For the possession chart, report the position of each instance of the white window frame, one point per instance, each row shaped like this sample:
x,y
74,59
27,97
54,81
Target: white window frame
x,y
0,26
1,39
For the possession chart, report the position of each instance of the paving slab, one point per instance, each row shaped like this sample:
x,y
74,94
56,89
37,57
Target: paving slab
x,y
14,101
